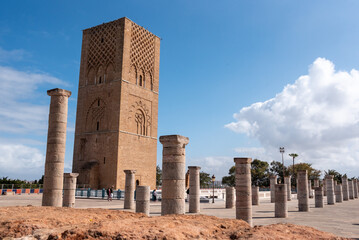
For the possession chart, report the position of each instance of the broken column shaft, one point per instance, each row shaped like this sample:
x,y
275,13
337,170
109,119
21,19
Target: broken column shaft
x,y
130,189
194,189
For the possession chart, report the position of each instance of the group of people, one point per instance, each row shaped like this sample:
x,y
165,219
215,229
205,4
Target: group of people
x,y
109,192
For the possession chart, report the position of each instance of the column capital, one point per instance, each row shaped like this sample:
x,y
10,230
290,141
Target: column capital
x,y
329,176
302,172
129,171
273,176
194,167
58,92
71,175
243,160
169,140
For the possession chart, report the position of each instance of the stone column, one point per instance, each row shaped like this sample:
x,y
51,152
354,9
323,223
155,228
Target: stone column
x,y
143,199
345,188
69,189
273,182
130,189
319,200
230,197
351,189
355,182
280,207
310,192
288,181
194,189
173,174
338,193
255,195
330,189
243,189
55,150
316,182
324,187
303,198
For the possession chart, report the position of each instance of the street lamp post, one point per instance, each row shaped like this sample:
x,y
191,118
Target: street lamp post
x,y
213,178
281,150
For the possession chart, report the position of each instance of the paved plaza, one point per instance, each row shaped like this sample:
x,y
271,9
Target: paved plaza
x,y
341,219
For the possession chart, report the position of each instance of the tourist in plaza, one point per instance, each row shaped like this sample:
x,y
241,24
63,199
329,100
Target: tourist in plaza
x,y
154,195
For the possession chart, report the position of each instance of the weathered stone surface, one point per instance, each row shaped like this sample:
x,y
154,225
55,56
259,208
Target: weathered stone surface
x,y
355,182
117,106
319,200
338,193
69,189
194,189
303,198
230,197
316,183
351,189
174,176
310,192
273,182
255,195
143,199
330,189
55,153
243,189
345,188
130,189
281,208
288,181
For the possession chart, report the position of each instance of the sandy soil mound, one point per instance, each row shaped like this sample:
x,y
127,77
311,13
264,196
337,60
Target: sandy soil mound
x,y
66,223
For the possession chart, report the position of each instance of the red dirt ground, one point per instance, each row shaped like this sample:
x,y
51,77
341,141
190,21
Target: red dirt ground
x,y
67,223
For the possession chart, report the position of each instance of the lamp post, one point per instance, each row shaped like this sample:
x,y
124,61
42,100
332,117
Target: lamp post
x,y
281,150
213,178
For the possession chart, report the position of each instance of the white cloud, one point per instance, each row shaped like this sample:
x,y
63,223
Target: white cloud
x,y
19,111
12,55
20,161
217,165
316,117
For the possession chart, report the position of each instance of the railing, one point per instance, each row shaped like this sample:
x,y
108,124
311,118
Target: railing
x,y
20,188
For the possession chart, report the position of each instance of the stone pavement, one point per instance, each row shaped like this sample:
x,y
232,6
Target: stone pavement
x,y
341,219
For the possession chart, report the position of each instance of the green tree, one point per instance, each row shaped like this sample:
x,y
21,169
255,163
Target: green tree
x,y
276,168
259,173
158,176
230,180
312,172
337,176
293,155
205,180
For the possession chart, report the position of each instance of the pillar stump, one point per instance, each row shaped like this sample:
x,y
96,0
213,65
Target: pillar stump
x,y
280,207
130,189
273,182
330,189
243,189
173,174
355,182
351,189
338,193
319,200
316,183
288,181
345,188
255,195
303,198
69,189
143,199
230,197
194,189
55,150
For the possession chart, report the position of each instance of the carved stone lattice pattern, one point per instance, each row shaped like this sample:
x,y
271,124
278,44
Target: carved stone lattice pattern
x,y
96,110
142,48
102,46
142,117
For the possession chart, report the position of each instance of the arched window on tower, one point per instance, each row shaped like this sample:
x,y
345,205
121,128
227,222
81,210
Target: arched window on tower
x,y
141,81
141,122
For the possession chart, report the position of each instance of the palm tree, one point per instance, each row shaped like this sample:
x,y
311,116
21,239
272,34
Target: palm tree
x,y
293,155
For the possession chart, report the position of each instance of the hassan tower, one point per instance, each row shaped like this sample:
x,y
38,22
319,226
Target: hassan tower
x,y
117,106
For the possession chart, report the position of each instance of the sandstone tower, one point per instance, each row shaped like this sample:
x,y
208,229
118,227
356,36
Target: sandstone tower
x,y
117,106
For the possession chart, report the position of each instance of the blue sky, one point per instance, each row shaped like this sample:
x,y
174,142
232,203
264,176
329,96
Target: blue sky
x,y
217,57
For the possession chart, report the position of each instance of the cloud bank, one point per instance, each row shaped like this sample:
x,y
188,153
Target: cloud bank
x,y
317,117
